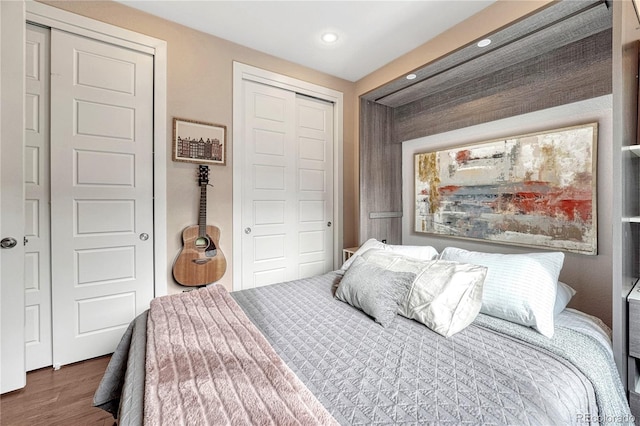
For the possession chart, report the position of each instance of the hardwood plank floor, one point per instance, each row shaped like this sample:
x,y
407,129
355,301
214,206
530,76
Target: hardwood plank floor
x,y
53,398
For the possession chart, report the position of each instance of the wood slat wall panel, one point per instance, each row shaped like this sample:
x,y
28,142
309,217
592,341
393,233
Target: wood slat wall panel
x,y
380,174
578,71
558,22
519,43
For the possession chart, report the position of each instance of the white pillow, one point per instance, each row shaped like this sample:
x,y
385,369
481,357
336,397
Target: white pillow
x,y
563,297
520,288
417,252
445,296
369,244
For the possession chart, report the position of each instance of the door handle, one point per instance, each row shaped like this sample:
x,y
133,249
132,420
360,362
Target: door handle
x,y
8,242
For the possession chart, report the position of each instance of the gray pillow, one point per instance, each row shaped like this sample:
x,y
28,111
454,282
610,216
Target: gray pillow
x,y
376,291
445,296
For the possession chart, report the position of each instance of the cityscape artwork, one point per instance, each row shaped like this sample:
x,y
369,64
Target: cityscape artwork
x,y
199,142
535,190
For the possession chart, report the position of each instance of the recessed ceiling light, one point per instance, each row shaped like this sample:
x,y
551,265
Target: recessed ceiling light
x,y
329,37
411,76
484,43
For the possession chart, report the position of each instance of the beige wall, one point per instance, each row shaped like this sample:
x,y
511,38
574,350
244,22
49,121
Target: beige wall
x,y
199,87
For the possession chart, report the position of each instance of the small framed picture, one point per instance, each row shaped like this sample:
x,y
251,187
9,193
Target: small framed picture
x,y
199,142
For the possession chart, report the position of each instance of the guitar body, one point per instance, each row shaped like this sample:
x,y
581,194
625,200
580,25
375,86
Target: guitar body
x,y
200,261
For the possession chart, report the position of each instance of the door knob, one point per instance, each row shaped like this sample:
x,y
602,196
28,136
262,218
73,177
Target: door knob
x,y
8,242
144,236
247,231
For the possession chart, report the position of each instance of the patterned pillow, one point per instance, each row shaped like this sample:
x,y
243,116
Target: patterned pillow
x,y
445,296
374,290
520,288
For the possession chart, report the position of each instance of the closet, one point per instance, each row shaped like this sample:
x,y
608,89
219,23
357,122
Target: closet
x,y
287,174
89,188
287,190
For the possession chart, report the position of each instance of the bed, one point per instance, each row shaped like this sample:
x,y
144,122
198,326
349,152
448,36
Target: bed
x,y
491,371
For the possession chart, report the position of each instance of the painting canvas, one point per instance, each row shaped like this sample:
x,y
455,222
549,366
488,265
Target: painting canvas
x,y
534,190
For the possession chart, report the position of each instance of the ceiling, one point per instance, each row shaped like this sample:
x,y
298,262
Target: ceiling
x,y
371,33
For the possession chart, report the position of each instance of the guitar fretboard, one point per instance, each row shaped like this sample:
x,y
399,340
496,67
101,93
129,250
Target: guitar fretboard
x,y
202,218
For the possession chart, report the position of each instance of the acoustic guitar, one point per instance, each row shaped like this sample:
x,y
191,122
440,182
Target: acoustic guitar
x,y
200,261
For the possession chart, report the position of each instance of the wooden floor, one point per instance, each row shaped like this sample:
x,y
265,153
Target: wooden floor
x,y
62,397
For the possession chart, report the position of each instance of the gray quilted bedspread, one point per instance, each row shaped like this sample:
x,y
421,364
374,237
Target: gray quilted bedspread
x,y
490,373
121,390
406,374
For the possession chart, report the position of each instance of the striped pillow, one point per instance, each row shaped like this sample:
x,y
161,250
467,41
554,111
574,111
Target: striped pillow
x,y
520,288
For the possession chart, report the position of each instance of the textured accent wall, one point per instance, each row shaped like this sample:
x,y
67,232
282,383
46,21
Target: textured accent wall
x,y
575,72
380,174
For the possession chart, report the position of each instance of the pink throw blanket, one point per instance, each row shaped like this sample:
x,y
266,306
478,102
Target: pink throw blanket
x,y
207,364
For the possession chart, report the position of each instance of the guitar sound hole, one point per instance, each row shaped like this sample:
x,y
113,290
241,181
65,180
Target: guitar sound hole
x,y
202,242
206,244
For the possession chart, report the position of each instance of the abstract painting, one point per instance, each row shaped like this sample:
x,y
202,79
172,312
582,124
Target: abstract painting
x,y
536,190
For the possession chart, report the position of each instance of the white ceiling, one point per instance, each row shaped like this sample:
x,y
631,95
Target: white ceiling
x,y
372,33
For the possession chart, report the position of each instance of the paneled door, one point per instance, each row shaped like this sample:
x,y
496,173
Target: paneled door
x,y
314,172
101,193
287,199
12,366
37,265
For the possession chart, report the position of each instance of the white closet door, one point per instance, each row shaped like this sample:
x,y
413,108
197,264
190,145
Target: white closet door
x,y
314,134
268,201
287,186
37,265
12,366
101,192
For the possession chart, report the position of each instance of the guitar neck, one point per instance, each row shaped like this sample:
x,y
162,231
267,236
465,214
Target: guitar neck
x,y
202,218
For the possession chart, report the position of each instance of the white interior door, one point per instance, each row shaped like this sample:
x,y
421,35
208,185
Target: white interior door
x,y
314,137
37,266
268,212
12,367
102,193
287,193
